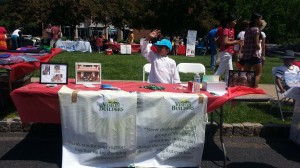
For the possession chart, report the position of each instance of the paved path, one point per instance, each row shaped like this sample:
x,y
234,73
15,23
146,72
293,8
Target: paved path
x,y
41,148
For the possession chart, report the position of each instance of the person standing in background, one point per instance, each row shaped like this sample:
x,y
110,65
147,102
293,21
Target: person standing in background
x,y
262,40
239,48
212,38
3,37
251,57
100,43
56,34
49,34
175,43
16,38
226,50
131,37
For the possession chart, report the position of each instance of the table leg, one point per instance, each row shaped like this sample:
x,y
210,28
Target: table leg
x,y
221,135
220,125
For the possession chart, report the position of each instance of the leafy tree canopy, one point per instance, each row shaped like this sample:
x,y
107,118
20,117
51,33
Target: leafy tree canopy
x,y
173,17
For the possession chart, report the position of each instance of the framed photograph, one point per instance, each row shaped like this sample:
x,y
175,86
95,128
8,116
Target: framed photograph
x,y
87,73
53,73
241,78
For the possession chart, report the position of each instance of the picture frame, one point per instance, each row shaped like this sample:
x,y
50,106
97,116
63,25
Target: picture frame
x,y
87,73
53,73
241,78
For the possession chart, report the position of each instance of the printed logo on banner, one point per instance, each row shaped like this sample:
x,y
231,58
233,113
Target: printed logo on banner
x,y
183,104
108,108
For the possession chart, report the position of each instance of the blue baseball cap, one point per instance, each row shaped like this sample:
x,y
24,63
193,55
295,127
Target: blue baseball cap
x,y
164,42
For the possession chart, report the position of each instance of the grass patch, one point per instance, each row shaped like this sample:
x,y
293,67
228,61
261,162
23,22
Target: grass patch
x,y
129,67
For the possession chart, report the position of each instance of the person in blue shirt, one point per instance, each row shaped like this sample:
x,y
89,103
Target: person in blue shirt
x,y
213,50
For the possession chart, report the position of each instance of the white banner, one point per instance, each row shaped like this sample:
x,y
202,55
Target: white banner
x,y
98,129
83,46
118,129
171,129
191,42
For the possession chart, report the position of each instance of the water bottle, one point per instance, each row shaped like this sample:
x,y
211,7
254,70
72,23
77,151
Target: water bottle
x,y
197,82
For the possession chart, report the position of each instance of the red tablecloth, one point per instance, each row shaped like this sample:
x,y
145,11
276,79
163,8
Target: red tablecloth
x,y
37,103
116,47
20,70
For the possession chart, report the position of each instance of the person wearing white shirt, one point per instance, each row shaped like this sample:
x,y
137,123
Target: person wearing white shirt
x,y
163,68
262,42
288,58
15,38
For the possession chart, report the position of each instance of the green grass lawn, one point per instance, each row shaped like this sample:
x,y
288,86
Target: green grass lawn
x,y
129,67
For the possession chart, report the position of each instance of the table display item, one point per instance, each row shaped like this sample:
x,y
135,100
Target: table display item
x,y
87,73
11,60
197,82
215,88
4,55
153,87
190,86
241,78
54,73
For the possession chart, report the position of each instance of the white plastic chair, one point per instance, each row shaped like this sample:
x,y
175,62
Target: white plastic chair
x,y
146,69
280,99
191,68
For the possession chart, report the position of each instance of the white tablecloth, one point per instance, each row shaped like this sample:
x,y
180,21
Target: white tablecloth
x,y
117,128
83,46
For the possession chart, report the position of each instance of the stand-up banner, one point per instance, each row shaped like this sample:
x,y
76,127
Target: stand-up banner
x,y
191,43
122,129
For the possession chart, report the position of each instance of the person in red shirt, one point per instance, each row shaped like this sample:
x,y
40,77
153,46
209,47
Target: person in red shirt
x,y
3,36
56,33
100,43
226,47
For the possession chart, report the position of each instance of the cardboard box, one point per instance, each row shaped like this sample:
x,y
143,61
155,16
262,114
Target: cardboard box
x,y
217,88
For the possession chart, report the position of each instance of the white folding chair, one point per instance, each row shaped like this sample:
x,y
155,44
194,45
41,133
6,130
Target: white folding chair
x,y
280,99
191,68
146,69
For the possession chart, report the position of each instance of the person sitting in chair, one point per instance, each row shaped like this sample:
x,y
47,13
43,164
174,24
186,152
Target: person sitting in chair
x,y
163,68
288,58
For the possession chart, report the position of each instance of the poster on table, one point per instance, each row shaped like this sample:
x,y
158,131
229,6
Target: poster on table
x,y
191,43
53,73
119,129
87,73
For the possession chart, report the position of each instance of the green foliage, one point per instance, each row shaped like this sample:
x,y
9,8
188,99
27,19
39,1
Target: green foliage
x,y
171,16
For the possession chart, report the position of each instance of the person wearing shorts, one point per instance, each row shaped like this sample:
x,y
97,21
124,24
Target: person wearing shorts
x,y
251,57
